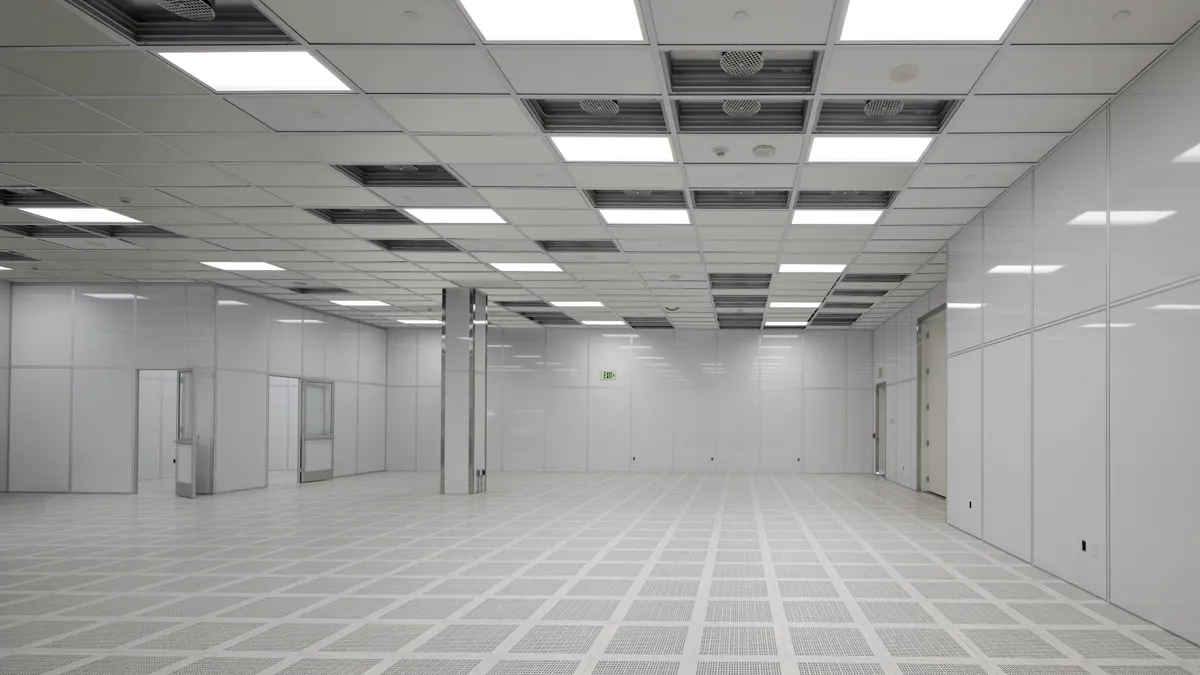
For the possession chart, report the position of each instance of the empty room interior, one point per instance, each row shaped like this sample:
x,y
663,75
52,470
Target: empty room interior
x,y
599,337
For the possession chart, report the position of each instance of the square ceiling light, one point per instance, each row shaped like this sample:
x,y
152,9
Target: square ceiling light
x,y
928,20
803,268
578,303
526,267
244,266
78,215
646,216
795,305
869,149
360,303
836,216
785,324
603,323
631,149
556,20
238,71
456,216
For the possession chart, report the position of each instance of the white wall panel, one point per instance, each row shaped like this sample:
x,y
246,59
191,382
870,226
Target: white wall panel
x,y
39,441
1007,240
859,354
283,424
429,358
162,329
105,327
524,368
315,340
782,416
402,357
103,404
401,428
372,355
200,323
345,428
1007,454
285,355
738,390
824,431
608,430
696,406
1069,455
904,471
906,343
825,358
341,350
566,359
240,448
964,288
566,429
429,428
860,421
243,332
964,442
372,426
652,373
892,449
42,325
5,325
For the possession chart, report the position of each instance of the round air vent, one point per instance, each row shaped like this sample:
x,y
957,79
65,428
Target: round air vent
x,y
400,167
742,64
746,107
192,10
600,107
638,193
883,107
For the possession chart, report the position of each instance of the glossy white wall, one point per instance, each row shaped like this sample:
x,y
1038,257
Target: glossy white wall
x,y
5,350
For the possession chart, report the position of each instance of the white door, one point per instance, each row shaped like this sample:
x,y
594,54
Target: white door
x,y
186,440
881,430
316,441
933,404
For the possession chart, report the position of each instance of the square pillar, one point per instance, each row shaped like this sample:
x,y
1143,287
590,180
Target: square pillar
x,y
464,391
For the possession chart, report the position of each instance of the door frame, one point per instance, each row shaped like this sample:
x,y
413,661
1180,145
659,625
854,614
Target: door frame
x,y
881,431
920,399
187,490
314,476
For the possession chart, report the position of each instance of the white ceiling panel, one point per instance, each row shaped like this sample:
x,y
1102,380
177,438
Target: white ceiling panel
x,y
119,197
14,148
741,175
941,198
862,69
289,174
550,217
101,73
1101,21
739,148
490,149
729,217
64,175
514,175
442,70
1065,69
830,232
622,176
533,198
968,175
375,21
193,174
431,196
49,24
458,114
746,22
174,216
13,83
331,112
929,216
237,147
1028,114
177,115
329,197
362,148
579,70
226,196
49,115
988,148
857,177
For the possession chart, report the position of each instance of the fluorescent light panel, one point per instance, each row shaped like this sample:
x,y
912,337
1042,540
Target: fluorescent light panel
x,y
603,323
578,303
5,269
299,321
646,216
795,305
1121,217
1109,325
244,266
785,324
836,216
241,71
556,20
1190,156
1025,269
115,296
231,303
869,149
69,214
456,216
614,148
805,268
964,305
420,322
360,303
1177,308
526,267
928,20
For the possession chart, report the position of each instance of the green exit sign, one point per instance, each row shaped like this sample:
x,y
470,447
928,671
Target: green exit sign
x,y
608,375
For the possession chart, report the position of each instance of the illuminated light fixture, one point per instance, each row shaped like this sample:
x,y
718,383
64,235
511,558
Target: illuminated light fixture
x,y
231,303
526,267
420,322
1025,269
115,296
67,214
479,322
869,149
1177,308
783,324
360,303
457,216
964,305
928,20
603,323
299,321
556,20
1122,217
1190,156
614,148
646,216
239,71
1107,325
805,268
792,336
795,305
649,358
620,335
244,266
5,269
836,216
578,303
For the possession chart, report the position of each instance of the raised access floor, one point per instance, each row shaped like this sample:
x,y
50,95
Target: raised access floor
x,y
547,574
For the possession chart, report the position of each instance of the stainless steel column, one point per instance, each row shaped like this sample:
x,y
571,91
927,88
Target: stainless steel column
x,y
464,391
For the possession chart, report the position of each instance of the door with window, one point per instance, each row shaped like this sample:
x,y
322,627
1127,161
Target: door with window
x,y
316,440
932,408
187,443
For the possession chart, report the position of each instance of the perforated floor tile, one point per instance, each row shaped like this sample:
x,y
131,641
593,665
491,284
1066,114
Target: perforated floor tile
x,y
1041,669
636,668
377,638
287,637
427,608
977,613
647,640
123,665
876,589
726,611
737,668
1102,644
1012,643
329,667
34,664
1052,614
1144,670
894,612
225,665
839,668
920,642
199,636
557,640
817,611
111,636
941,669
432,667
534,668
738,641
1172,643
945,590
829,642
467,639
582,610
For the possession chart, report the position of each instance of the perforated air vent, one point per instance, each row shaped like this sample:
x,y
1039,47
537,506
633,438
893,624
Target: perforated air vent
x,y
844,199
400,175
833,320
319,290
741,199
411,245
131,231
740,301
146,22
873,278
728,281
550,318
858,293
592,115
740,321
637,199
916,116
30,196
526,305
13,256
360,216
49,231
709,72
713,116
859,305
648,322
578,246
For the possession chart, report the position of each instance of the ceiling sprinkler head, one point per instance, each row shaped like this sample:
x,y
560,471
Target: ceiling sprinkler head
x,y
883,107
192,10
741,107
742,64
720,150
600,107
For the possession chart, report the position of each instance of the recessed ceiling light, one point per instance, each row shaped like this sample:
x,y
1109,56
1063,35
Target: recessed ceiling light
x,y
231,303
299,321
964,305
420,322
785,324
115,296
526,267
793,268
869,149
928,20
244,266
790,336
603,323
620,335
1179,308
795,305
836,216
1190,156
456,216
556,20
1108,325
239,71
614,148
1025,269
5,269
578,303
360,303
67,214
645,216
1121,217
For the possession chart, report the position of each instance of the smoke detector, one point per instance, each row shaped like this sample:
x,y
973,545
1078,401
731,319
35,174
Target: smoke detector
x,y
742,64
764,150
741,107
883,107
192,10
600,107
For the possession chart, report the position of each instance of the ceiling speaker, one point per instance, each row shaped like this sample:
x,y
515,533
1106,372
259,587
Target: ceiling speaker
x,y
883,107
192,10
742,64
600,107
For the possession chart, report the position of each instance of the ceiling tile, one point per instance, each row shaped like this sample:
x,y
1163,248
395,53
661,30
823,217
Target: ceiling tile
x,y
49,115
533,198
375,21
431,196
175,115
903,246
765,22
968,175
120,197
1084,21
346,148
940,198
41,23
64,175
748,217
14,148
931,232
1063,69
741,175
550,217
226,196
936,216
292,174
331,112
988,148
514,175
329,197
610,70
856,177
458,114
101,73
739,148
490,149
983,114
443,70
830,232
623,176
863,69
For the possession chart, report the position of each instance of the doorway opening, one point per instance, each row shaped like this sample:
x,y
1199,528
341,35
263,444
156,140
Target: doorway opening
x,y
283,430
931,406
157,427
881,430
